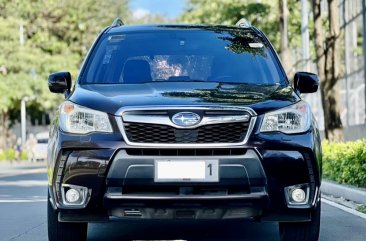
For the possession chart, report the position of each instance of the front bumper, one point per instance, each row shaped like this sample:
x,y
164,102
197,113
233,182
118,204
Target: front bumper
x,y
240,192
252,180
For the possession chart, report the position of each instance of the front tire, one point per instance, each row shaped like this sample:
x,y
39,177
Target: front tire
x,y
302,231
61,231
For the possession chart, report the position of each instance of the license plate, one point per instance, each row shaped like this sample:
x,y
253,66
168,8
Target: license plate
x,y
186,171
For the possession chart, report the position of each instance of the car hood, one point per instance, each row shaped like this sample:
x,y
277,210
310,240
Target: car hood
x,y
111,97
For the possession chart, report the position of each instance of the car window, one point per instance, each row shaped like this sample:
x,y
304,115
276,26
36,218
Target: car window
x,y
235,56
42,141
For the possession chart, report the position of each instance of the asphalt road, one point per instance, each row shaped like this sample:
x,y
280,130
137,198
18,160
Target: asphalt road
x,y
23,217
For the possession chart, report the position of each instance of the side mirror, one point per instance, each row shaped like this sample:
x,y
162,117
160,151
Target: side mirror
x,y
306,82
59,82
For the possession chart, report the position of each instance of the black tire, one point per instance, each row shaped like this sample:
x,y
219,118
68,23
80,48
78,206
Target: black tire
x,y
302,231
61,231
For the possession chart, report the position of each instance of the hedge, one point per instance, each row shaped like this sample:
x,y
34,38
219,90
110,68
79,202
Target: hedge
x,y
10,155
7,155
345,162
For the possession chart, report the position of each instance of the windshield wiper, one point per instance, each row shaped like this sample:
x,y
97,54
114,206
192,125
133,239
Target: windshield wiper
x,y
178,80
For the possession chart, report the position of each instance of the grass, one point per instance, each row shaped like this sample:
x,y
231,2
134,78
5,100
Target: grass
x,y
361,208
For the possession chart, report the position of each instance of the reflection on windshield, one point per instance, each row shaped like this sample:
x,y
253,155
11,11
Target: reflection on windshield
x,y
238,93
242,42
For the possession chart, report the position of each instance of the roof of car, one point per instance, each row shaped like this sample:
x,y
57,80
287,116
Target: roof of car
x,y
155,27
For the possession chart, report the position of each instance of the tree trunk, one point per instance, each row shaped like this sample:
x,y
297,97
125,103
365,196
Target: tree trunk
x,y
332,75
328,62
319,50
4,132
285,50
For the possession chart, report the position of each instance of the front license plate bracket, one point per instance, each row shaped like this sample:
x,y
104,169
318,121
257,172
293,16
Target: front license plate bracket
x,y
172,170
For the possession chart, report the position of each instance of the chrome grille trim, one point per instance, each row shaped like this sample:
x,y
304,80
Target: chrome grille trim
x,y
165,120
120,115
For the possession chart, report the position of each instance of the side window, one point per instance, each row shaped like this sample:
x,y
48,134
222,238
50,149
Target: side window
x,y
105,69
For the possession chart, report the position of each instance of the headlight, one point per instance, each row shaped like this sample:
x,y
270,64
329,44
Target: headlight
x,y
80,120
293,119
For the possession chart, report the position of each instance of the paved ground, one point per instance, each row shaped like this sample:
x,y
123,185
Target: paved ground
x,y
23,217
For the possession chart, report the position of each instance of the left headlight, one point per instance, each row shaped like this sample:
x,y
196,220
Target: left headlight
x,y
290,120
81,120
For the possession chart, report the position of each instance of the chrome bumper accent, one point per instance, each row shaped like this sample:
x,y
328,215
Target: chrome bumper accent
x,y
251,196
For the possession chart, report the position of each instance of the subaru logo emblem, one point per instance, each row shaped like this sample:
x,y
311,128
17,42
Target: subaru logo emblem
x,y
186,119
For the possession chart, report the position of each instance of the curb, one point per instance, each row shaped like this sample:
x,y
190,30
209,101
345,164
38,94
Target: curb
x,y
348,192
13,163
8,169
25,172
20,163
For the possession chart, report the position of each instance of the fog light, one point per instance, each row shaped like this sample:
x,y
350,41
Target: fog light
x,y
298,195
72,195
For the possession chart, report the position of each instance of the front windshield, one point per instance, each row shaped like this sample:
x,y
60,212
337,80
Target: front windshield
x,y
229,56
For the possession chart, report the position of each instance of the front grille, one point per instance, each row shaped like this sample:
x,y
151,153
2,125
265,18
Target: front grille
x,y
215,133
240,187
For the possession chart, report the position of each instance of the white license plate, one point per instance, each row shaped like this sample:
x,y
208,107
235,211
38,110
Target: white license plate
x,y
186,170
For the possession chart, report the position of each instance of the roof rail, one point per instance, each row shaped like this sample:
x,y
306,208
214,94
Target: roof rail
x,y
117,22
243,23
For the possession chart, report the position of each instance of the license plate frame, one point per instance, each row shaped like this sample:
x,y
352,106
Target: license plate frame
x,y
185,170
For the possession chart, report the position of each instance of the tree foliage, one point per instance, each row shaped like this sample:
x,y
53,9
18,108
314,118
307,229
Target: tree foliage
x,y
57,35
263,15
230,11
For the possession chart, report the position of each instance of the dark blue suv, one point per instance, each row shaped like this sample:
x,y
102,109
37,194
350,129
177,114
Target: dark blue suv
x,y
193,122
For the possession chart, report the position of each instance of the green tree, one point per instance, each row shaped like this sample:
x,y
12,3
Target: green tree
x,y
230,11
264,15
56,36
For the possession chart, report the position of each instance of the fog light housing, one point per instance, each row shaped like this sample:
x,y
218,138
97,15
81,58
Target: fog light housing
x,y
297,195
74,196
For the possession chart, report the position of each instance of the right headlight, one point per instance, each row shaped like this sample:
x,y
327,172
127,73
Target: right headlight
x,y
290,120
77,119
